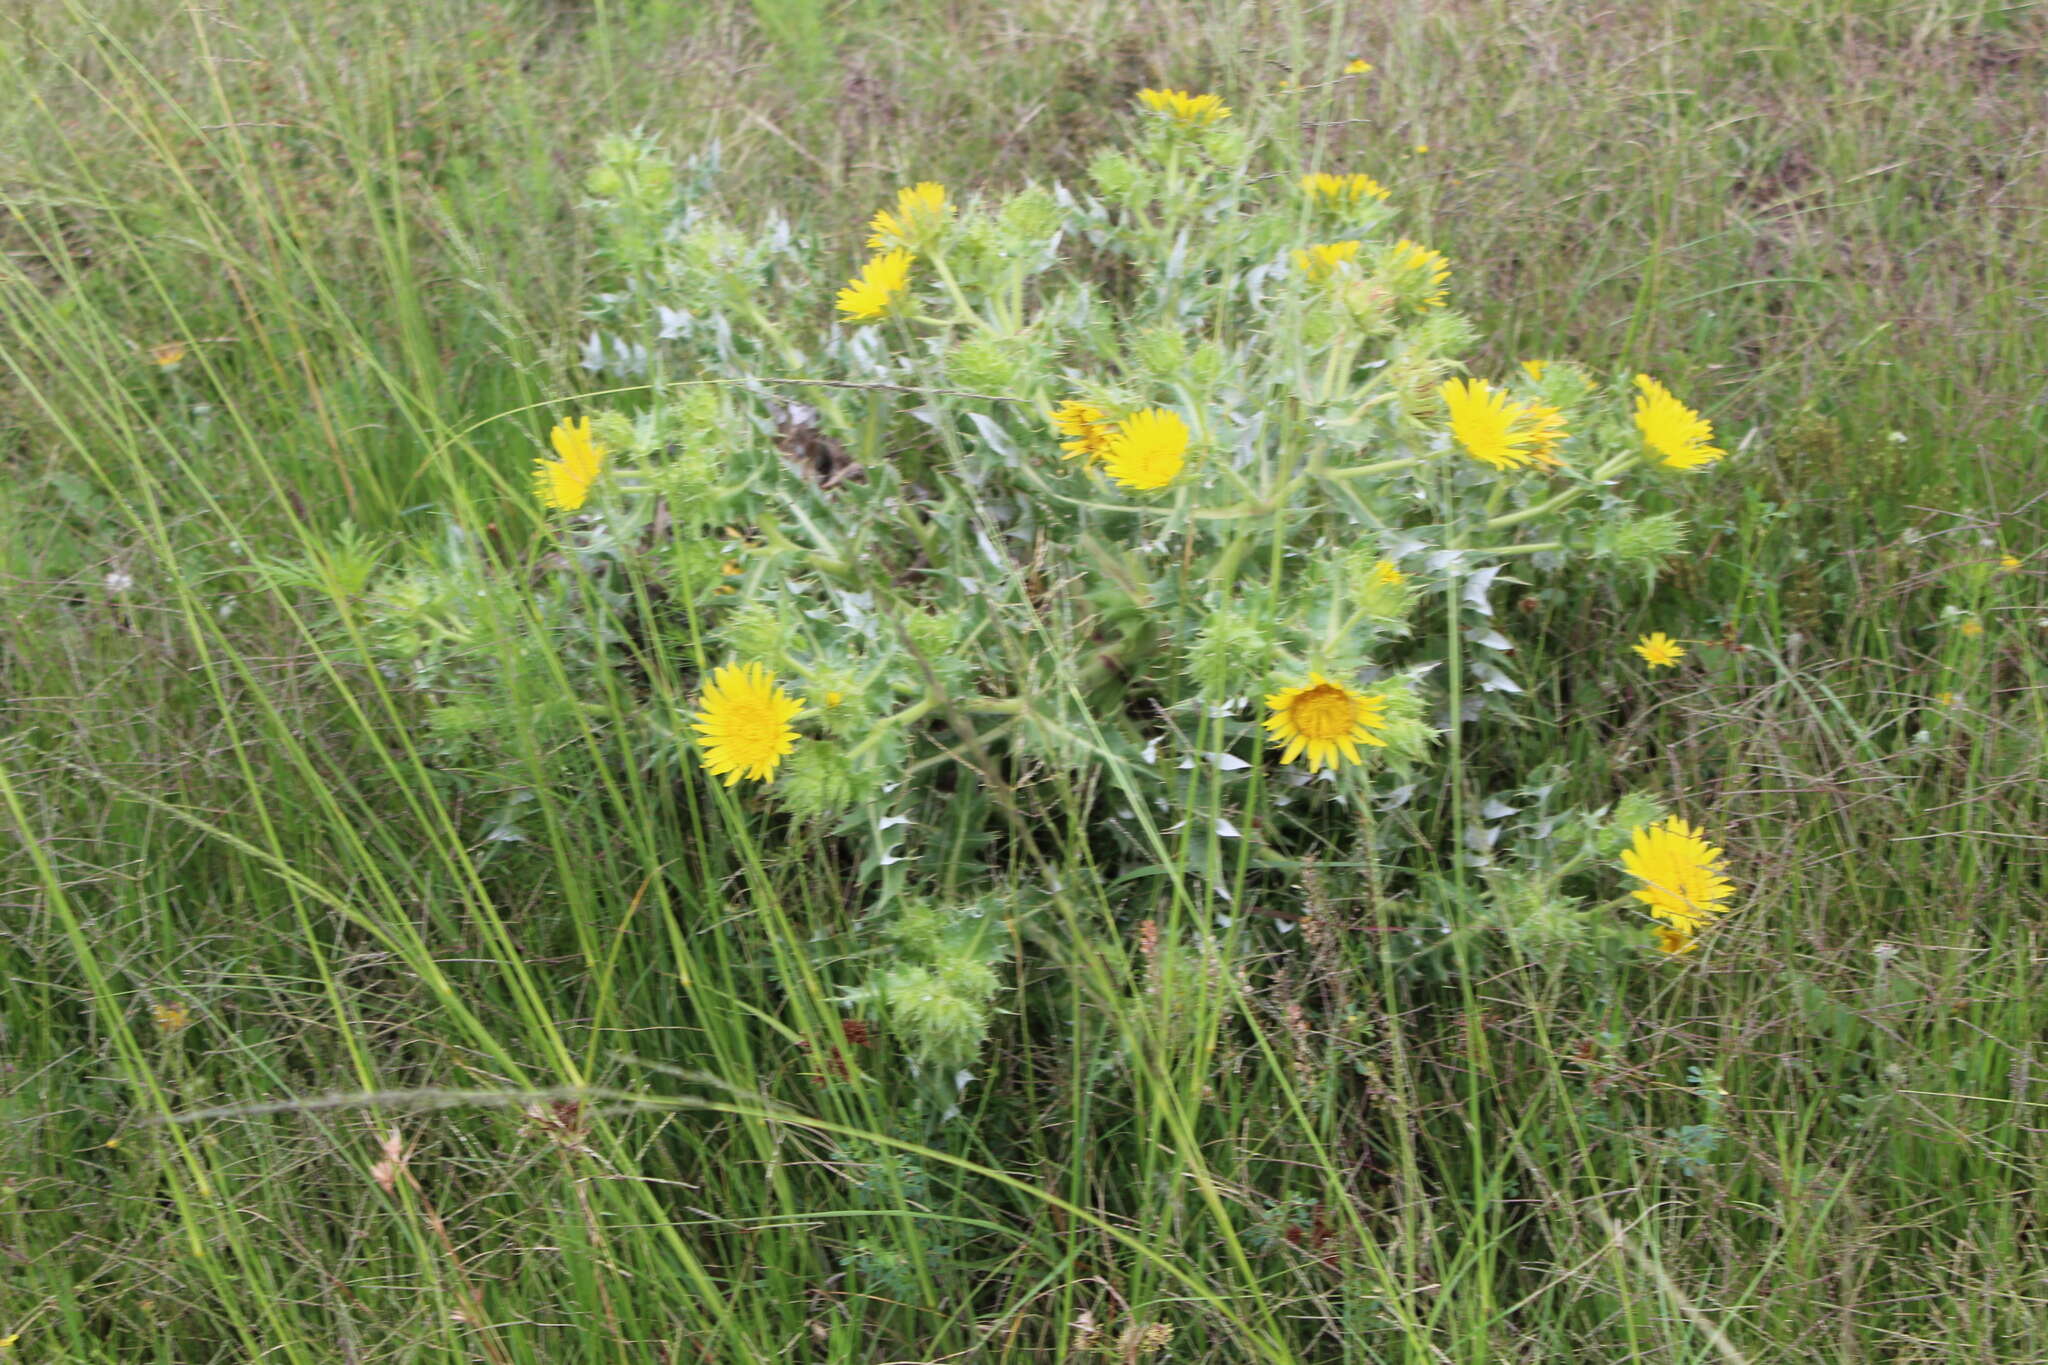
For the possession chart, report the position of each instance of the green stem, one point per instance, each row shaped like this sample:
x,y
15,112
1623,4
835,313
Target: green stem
x,y
1360,471
1503,551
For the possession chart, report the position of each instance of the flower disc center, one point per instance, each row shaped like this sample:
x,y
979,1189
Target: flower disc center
x,y
1323,713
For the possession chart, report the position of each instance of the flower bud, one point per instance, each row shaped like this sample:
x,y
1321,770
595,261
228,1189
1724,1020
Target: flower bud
x,y
1230,656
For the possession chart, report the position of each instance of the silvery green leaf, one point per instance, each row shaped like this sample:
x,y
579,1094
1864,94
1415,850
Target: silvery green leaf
x,y
1477,586
999,440
1492,679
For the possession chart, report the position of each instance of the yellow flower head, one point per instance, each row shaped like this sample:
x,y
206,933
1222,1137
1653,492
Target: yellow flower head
x,y
1535,368
167,354
1147,450
1659,650
745,723
2009,563
921,214
564,483
1385,575
170,1016
1972,628
1319,263
1680,437
1184,110
1945,699
1325,720
1498,431
1418,273
1357,66
1089,427
1681,875
1341,191
880,289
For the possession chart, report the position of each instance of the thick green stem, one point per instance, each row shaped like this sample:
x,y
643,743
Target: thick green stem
x,y
1360,471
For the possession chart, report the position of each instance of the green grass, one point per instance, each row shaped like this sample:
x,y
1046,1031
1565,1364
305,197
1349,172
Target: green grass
x,y
1825,223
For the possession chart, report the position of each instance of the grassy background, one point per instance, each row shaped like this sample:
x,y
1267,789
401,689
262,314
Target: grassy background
x,y
1826,224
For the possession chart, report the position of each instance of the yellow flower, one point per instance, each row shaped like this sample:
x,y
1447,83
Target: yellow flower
x,y
2009,563
1497,431
1422,270
921,214
745,723
1325,719
1185,110
1421,149
167,354
1089,427
1675,941
171,1017
1681,876
1535,368
1659,650
1342,191
1385,575
1944,699
1972,628
1357,66
1319,263
564,483
1147,450
1681,438
880,288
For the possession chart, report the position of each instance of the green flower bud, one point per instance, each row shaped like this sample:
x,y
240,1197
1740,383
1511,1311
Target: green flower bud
x,y
1369,304
1562,383
688,481
614,431
1408,743
1226,146
1120,179
1644,543
835,695
1160,351
1441,334
1377,587
604,182
618,149
1534,917
941,1026
1230,656
1208,364
1031,215
756,634
1414,380
994,364
817,779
